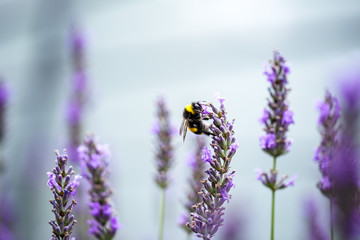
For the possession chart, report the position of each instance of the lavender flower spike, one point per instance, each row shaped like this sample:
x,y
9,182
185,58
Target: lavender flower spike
x,y
277,117
344,170
63,186
164,156
79,92
329,131
208,215
93,157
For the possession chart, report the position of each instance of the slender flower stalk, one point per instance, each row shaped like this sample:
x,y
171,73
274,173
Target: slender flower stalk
x,y
63,185
276,119
207,215
78,97
94,162
197,174
164,156
343,171
329,128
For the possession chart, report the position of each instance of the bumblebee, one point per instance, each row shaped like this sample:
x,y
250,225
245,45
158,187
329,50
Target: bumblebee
x,y
193,120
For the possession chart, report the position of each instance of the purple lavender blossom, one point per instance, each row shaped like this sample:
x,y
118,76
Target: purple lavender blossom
x,y
94,161
197,174
277,117
316,230
63,186
207,215
164,152
329,129
206,157
343,170
78,95
271,181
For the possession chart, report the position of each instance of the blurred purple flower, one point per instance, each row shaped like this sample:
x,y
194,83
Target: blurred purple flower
x,y
164,152
206,217
4,93
197,174
206,157
4,98
78,93
63,189
343,170
94,158
7,217
329,130
316,230
234,225
80,81
74,113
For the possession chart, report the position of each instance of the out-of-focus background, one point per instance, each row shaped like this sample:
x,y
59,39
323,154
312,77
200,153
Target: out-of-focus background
x,y
185,50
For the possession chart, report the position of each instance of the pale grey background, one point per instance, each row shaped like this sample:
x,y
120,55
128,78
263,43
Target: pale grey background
x,y
186,50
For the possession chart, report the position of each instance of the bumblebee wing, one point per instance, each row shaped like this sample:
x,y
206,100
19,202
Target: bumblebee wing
x,y
183,128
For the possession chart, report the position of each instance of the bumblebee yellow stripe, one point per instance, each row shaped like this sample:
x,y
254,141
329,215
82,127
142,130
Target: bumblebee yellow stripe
x,y
189,108
194,130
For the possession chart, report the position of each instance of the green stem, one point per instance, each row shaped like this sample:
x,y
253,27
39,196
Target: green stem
x,y
331,219
273,206
274,164
272,215
162,214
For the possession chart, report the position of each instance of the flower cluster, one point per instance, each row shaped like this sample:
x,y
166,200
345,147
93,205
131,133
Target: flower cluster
x,y
63,186
270,179
164,153
329,130
93,157
208,213
75,108
277,117
197,174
